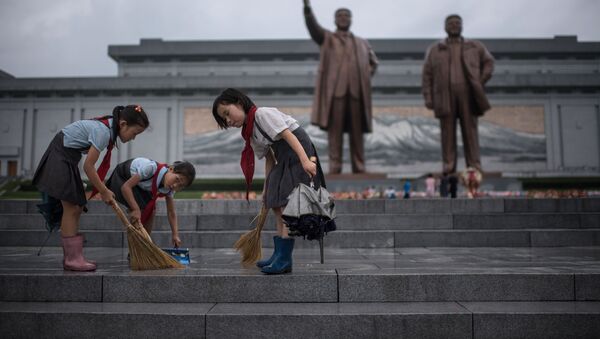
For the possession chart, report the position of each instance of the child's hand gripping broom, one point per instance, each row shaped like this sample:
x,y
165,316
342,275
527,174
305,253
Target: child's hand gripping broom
x,y
249,244
144,254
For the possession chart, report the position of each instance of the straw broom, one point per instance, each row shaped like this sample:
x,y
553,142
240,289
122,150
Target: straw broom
x,y
249,244
144,254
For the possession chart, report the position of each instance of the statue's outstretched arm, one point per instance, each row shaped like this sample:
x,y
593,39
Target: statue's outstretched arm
x,y
317,33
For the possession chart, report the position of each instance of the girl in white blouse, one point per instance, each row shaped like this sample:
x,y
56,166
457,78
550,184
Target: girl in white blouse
x,y
288,151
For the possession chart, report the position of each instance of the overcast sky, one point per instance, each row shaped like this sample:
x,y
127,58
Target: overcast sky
x,y
48,38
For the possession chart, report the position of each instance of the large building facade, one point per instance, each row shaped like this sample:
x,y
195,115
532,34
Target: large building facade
x,y
545,95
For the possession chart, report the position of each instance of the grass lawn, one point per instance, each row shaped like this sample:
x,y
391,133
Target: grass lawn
x,y
24,190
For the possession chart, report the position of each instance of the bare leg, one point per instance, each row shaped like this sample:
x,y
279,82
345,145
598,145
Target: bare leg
x,y
282,231
69,224
72,242
282,259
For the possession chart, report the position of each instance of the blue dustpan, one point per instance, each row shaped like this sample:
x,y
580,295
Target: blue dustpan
x,y
180,254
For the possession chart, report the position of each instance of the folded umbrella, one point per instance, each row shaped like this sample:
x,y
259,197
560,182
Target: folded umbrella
x,y
310,213
52,211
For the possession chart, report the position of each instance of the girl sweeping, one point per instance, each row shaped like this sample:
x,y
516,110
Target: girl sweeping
x,y
287,149
58,174
137,183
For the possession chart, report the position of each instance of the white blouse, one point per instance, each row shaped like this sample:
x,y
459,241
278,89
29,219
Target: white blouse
x,y
272,122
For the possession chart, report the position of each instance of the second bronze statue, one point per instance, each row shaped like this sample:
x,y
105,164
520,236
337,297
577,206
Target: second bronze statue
x,y
342,99
454,75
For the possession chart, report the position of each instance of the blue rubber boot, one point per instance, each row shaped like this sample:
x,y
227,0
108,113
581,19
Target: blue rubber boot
x,y
282,262
267,262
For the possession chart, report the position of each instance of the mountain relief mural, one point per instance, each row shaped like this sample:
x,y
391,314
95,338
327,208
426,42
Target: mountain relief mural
x,y
404,140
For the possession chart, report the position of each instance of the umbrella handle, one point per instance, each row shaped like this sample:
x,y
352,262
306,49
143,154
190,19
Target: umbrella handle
x,y
312,182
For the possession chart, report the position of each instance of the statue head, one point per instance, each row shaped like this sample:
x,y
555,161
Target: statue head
x,y
343,19
453,25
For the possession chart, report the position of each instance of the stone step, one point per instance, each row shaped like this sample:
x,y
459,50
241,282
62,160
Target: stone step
x,y
337,239
375,206
228,222
548,319
315,283
102,320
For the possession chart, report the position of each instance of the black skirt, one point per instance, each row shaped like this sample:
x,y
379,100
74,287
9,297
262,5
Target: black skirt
x,y
58,173
119,176
288,171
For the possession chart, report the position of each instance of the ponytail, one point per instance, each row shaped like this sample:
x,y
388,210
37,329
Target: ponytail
x,y
116,114
132,114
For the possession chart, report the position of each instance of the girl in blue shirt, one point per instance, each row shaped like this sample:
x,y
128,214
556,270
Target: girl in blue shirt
x,y
58,174
137,183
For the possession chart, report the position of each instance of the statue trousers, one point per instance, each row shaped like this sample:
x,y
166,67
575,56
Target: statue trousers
x,y
461,111
346,115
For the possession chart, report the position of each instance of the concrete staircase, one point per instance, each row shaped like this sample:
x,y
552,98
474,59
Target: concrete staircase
x,y
361,223
489,268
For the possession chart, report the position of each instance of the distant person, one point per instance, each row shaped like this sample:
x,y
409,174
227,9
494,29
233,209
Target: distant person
x,y
407,189
58,174
138,183
287,148
471,178
390,192
453,181
430,185
454,75
444,181
372,192
342,97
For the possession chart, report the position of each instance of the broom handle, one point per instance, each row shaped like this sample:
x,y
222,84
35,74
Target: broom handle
x,y
120,213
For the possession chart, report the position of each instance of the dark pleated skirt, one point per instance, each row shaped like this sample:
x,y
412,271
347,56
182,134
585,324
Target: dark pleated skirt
x,y
119,176
58,173
288,172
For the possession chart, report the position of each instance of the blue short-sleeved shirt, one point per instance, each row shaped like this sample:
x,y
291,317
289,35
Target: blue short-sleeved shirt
x,y
145,168
85,133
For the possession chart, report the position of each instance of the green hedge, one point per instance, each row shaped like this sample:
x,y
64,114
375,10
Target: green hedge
x,y
197,185
225,185
579,183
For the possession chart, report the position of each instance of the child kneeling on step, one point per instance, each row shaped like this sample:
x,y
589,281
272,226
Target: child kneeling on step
x,y
137,183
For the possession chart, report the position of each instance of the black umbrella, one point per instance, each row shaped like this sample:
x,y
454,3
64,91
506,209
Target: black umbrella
x,y
52,211
310,213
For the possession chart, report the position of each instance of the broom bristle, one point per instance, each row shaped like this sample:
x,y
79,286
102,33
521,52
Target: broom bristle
x,y
144,254
249,244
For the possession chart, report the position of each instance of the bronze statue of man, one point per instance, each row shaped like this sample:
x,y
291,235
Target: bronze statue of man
x,y
454,75
342,100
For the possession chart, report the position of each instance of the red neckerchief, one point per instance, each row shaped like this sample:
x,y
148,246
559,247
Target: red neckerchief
x,y
247,161
155,195
105,164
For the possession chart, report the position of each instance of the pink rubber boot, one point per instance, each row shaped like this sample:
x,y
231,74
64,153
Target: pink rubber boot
x,y
83,239
73,255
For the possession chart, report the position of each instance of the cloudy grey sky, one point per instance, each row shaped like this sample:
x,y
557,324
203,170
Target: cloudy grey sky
x,y
47,38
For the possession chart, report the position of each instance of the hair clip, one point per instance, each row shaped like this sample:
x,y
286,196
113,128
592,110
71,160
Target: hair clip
x,y
138,108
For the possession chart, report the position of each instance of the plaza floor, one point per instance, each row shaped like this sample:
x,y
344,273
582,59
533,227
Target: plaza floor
x,y
418,260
